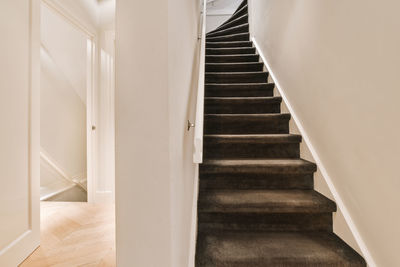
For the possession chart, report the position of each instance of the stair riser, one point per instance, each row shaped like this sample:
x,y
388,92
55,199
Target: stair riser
x,y
231,30
250,151
266,222
232,59
252,107
239,90
237,22
231,51
248,181
229,38
229,44
250,125
236,77
240,67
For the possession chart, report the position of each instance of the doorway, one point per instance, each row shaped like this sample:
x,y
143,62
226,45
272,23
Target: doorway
x,y
66,140
77,134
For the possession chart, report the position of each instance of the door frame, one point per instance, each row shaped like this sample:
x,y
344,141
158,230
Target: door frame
x,y
91,94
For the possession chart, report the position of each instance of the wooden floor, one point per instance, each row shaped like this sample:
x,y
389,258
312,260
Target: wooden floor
x,y
75,234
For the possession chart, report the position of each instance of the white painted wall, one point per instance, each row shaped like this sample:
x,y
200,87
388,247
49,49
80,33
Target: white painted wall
x,y
155,74
183,54
143,199
219,11
63,96
338,63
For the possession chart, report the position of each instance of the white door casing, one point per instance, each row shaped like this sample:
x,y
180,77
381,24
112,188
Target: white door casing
x,y
20,130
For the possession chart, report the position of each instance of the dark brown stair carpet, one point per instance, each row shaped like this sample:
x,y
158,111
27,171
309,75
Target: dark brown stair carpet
x,y
243,28
229,44
257,205
275,249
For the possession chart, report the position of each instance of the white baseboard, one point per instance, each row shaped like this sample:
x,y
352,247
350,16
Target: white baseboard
x,y
193,229
339,201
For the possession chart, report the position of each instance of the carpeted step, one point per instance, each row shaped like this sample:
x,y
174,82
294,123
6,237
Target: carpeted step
x,y
264,210
230,37
242,105
232,58
251,146
237,77
229,44
270,166
236,22
275,249
235,67
262,222
243,28
246,123
253,180
264,201
239,90
231,51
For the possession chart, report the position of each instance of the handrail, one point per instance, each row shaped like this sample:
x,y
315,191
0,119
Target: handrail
x,y
198,130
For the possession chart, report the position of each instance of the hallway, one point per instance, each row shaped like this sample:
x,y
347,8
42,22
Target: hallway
x,y
75,234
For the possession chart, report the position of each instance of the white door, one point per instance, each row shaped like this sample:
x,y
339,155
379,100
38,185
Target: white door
x,y
19,130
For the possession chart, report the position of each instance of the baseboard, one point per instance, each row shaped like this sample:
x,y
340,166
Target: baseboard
x,y
56,167
53,194
193,229
339,201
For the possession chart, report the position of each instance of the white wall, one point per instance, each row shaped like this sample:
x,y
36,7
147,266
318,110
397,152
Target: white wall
x,y
155,74
183,53
338,63
63,94
143,200
220,11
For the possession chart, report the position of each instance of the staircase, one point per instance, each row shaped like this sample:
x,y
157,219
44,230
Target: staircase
x,y
256,206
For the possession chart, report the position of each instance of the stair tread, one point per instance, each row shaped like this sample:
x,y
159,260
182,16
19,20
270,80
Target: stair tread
x,y
229,48
230,43
254,138
212,34
208,39
237,73
238,84
222,98
274,249
265,201
266,115
233,55
261,162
